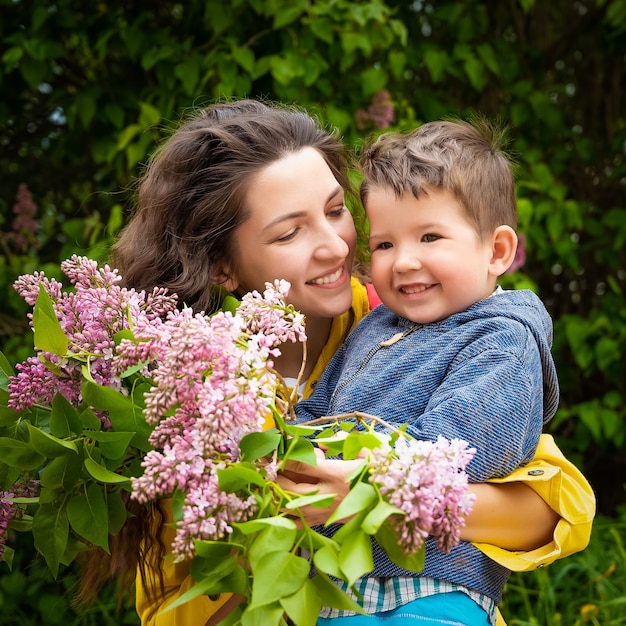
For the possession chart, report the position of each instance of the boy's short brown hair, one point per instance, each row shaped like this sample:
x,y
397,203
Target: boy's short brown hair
x,y
463,158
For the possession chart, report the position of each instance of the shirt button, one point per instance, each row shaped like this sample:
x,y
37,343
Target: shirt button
x,y
535,472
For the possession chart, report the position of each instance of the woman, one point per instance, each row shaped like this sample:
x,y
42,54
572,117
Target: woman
x,y
244,193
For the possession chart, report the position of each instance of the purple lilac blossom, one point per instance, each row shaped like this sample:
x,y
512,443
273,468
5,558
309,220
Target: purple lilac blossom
x,y
213,384
90,316
9,510
427,482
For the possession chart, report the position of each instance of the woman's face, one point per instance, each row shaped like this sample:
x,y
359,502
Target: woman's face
x,y
299,230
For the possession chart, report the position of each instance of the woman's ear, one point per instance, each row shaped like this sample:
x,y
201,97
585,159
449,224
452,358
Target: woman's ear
x,y
225,276
504,246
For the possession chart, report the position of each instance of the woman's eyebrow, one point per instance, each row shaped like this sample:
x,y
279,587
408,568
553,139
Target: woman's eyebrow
x,y
295,214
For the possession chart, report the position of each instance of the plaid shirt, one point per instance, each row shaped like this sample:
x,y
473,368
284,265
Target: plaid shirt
x,y
386,594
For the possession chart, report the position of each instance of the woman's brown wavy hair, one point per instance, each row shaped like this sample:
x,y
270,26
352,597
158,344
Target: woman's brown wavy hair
x,y
190,201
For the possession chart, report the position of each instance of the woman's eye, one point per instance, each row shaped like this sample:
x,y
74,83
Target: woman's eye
x,y
338,212
287,237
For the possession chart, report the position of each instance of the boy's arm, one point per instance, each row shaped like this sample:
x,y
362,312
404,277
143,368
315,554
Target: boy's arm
x,y
494,402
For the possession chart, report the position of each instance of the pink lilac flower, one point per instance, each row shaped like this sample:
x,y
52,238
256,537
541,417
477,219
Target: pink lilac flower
x,y
427,482
213,384
90,316
9,510
24,226
379,114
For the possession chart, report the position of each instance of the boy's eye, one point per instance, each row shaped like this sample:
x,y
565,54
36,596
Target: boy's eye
x,y
429,237
383,245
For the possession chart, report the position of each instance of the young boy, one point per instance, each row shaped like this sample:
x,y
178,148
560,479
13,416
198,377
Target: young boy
x,y
448,352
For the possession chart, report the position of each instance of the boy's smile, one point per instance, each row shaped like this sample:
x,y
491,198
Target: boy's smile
x,y
428,261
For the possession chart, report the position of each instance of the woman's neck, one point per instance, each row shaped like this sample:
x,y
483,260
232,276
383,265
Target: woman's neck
x,y
289,363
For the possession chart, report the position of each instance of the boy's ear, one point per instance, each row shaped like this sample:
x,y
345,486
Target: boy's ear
x,y
504,246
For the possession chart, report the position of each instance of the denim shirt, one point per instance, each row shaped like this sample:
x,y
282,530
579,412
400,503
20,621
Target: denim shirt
x,y
484,375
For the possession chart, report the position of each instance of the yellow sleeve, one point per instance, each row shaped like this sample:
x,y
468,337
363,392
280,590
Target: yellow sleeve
x,y
177,580
563,487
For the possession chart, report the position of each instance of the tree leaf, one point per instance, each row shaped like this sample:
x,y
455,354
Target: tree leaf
x,y
20,454
49,445
355,556
332,596
377,516
51,532
257,445
49,336
64,418
303,607
360,497
112,444
388,540
103,475
231,479
88,515
278,574
62,472
266,615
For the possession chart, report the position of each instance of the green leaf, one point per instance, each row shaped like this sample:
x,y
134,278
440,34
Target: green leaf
x,y
356,441
62,472
256,525
228,577
64,419
257,445
326,560
281,538
102,474
278,574
49,445
304,606
245,57
377,516
6,368
50,533
355,556
267,615
302,450
113,444
20,454
48,333
231,479
88,516
215,551
359,498
315,499
332,596
388,540
287,14
116,512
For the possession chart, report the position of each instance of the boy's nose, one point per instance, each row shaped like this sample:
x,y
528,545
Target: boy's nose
x,y
406,260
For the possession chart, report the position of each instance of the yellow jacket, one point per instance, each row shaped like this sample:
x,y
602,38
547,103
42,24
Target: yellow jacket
x,y
550,474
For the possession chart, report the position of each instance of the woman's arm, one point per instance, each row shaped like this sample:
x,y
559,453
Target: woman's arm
x,y
539,513
511,516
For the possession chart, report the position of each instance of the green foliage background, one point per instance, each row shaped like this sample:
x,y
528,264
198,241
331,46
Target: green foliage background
x,y
88,89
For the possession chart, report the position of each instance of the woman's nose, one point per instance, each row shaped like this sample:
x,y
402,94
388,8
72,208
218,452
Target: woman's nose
x,y
331,244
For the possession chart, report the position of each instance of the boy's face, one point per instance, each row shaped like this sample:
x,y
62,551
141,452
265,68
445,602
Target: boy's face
x,y
427,259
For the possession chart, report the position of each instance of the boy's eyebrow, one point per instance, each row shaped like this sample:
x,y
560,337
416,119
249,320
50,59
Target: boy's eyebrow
x,y
294,214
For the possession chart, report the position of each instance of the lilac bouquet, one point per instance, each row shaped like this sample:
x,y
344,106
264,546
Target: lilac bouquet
x,y
129,396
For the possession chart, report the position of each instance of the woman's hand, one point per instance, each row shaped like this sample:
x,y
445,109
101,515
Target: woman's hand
x,y
330,476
